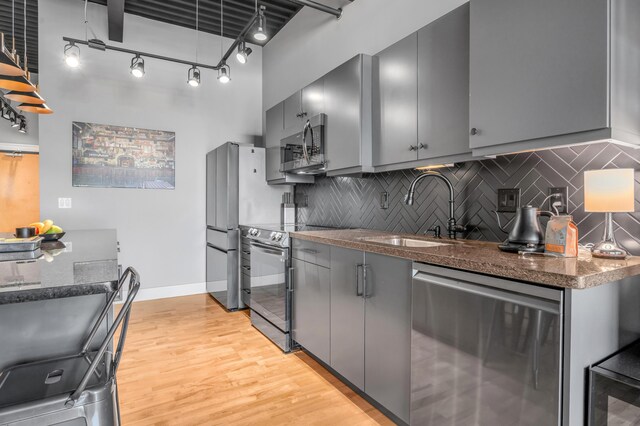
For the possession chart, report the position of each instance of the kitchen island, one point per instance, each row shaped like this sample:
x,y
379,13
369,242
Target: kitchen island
x,y
462,332
48,304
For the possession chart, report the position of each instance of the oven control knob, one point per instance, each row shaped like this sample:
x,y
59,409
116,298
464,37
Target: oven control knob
x,y
250,231
278,236
272,237
256,233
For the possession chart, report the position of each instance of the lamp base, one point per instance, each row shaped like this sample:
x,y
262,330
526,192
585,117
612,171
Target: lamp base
x,y
608,249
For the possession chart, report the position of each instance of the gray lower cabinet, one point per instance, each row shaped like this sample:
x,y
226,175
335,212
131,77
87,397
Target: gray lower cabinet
x,y
387,332
371,325
311,308
347,315
548,73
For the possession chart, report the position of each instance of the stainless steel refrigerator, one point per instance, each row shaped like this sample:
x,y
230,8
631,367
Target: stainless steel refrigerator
x,y
237,193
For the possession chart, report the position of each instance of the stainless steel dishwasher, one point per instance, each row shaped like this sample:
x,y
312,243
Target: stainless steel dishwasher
x,y
484,351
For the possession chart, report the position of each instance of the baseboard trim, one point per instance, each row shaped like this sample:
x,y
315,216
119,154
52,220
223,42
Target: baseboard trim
x,y
171,291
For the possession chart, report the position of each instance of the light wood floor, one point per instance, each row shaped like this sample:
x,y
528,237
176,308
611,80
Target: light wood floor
x,y
188,362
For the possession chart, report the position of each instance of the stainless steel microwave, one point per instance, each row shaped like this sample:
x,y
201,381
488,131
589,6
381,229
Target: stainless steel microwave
x,y
302,148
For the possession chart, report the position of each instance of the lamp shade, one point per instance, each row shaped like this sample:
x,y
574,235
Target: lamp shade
x,y
609,191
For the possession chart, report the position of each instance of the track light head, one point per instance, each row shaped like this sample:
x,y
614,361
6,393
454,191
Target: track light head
x,y
243,53
72,55
137,66
193,76
5,112
15,122
260,33
23,125
224,74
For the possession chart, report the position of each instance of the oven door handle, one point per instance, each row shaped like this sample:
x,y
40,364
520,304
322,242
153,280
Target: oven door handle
x,y
269,249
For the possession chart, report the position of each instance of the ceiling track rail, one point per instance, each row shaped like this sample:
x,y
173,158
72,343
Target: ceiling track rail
x,y
321,7
99,45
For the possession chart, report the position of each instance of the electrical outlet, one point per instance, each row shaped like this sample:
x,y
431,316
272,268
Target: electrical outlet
x,y
563,198
508,200
64,203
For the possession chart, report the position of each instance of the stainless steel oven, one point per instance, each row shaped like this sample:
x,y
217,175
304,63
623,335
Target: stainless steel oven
x,y
302,148
270,299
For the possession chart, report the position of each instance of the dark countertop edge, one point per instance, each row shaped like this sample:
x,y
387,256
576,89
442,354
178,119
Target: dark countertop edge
x,y
61,292
490,269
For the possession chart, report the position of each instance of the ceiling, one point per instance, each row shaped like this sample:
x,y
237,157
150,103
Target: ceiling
x,y
236,13
178,12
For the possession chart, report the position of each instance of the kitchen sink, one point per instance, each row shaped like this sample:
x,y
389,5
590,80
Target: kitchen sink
x,y
403,242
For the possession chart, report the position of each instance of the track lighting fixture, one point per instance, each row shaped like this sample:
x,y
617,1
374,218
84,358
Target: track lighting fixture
x,y
5,111
224,74
13,117
260,33
193,76
243,52
23,125
137,66
72,55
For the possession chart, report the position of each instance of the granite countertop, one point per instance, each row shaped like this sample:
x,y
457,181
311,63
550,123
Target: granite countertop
x,y
81,263
485,258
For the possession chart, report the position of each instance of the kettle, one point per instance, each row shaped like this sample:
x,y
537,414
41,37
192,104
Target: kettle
x,y
526,234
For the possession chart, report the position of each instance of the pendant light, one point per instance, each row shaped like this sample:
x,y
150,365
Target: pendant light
x,y
25,97
20,83
9,61
8,65
35,108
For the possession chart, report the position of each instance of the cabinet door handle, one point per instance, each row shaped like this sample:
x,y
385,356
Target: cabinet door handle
x,y
423,146
358,292
474,131
413,148
365,293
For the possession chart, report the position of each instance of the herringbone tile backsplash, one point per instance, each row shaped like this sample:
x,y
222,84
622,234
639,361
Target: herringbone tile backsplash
x,y
355,202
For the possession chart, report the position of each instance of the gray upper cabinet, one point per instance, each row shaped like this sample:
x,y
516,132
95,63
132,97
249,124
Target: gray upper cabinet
x,y
347,315
443,86
292,110
347,103
274,129
388,332
311,308
274,126
312,98
423,86
542,73
398,92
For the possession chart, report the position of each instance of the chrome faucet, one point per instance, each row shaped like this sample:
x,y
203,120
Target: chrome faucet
x,y
452,227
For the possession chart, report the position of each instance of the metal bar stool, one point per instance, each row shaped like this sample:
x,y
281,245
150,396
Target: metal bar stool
x,y
78,389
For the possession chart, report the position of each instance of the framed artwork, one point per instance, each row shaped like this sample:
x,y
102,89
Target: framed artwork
x,y
106,156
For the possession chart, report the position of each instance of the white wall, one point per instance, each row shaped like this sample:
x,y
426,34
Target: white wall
x,y
161,232
313,42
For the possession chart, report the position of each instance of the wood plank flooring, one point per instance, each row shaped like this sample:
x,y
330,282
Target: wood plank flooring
x,y
188,362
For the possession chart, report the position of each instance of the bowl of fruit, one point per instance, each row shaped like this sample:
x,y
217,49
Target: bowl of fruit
x,y
47,230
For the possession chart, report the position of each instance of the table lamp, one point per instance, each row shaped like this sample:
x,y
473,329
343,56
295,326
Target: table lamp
x,y
609,191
